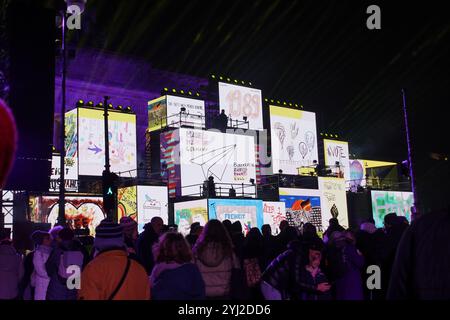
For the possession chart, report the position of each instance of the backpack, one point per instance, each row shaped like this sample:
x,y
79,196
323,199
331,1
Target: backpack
x,y
252,272
69,258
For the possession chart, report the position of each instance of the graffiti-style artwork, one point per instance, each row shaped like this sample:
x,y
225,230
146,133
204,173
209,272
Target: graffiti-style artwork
x,y
302,206
274,213
384,202
79,211
186,213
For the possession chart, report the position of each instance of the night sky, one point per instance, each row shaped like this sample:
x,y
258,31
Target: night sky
x,y
316,53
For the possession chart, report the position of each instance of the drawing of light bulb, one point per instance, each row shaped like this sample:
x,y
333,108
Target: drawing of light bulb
x,y
303,149
310,140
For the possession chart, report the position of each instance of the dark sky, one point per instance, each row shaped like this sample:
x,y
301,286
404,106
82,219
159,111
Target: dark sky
x,y
316,53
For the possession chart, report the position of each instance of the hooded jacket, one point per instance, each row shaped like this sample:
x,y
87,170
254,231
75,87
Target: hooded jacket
x,y
215,267
11,272
174,281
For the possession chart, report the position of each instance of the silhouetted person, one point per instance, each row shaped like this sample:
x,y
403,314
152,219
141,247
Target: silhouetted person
x,y
270,250
209,188
222,121
332,227
146,240
422,262
394,228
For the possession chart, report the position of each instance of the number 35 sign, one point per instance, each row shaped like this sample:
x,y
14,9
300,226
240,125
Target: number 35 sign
x,y
239,102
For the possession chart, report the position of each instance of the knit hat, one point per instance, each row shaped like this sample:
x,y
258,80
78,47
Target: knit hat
x,y
55,230
129,225
108,235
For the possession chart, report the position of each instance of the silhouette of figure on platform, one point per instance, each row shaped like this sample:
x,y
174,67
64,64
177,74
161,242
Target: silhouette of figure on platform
x,y
222,121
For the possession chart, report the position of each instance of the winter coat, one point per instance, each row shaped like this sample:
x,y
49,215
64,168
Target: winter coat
x,y
144,245
11,272
57,287
285,273
270,250
101,276
349,286
39,277
173,281
215,267
26,290
312,281
422,264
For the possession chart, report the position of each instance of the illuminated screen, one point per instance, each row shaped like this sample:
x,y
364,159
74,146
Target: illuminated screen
x,y
248,212
78,210
337,151
333,201
193,116
384,202
273,214
188,212
357,174
238,101
122,142
302,206
127,202
157,113
294,139
71,174
152,201
229,158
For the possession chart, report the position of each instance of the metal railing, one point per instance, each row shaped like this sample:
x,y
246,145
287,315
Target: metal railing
x,y
223,190
182,119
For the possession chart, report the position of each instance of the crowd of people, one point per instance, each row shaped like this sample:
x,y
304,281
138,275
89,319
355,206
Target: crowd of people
x,y
218,261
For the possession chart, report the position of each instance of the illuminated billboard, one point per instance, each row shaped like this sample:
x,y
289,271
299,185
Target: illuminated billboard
x,y
192,156
302,206
248,212
157,113
337,151
79,210
127,202
357,174
294,139
166,111
142,203
71,174
333,201
91,142
152,202
238,101
188,212
273,214
384,202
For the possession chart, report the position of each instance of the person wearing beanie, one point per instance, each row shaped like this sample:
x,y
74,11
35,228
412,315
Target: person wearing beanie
x,y
67,252
8,137
39,277
112,275
130,232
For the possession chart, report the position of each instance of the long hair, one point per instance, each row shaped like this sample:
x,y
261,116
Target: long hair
x,y
214,232
172,247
